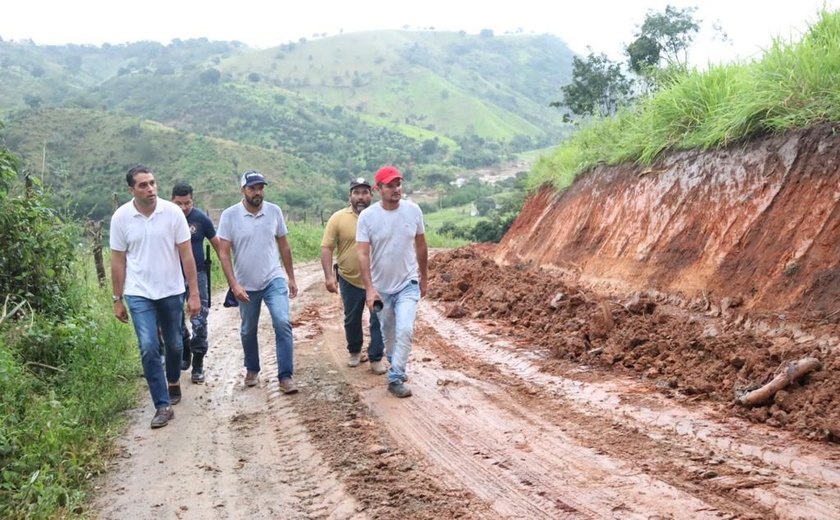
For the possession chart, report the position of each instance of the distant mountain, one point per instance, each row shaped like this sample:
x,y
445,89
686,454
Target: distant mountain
x,y
432,102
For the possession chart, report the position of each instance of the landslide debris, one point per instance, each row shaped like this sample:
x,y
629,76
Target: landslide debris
x,y
683,354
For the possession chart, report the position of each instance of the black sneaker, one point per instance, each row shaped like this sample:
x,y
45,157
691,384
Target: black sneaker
x,y
162,416
399,389
174,394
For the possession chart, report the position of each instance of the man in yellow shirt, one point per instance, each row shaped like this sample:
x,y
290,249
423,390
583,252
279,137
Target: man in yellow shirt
x,y
345,275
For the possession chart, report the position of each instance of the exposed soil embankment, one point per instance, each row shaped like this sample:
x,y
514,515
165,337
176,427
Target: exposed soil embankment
x,y
757,225
705,275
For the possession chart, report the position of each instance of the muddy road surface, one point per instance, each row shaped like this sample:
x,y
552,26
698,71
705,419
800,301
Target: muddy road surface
x,y
490,432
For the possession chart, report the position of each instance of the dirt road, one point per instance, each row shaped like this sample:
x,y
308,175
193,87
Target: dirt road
x,y
487,434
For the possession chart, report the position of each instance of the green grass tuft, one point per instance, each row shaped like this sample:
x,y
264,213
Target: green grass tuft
x,y
793,85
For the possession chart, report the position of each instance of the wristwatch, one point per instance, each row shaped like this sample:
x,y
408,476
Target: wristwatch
x,y
115,298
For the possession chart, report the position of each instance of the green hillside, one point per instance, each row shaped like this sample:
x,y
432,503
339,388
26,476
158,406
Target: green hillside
x,y
50,75
452,83
434,103
87,165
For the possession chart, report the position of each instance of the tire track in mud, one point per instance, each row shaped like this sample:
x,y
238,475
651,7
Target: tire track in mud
x,y
518,464
781,476
388,477
231,451
523,465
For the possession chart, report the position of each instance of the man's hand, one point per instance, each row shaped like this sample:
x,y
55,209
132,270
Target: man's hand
x,y
119,311
371,296
240,293
330,284
292,289
194,305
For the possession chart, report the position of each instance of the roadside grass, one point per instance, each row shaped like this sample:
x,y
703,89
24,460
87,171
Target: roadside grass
x,y
460,215
793,85
305,240
63,384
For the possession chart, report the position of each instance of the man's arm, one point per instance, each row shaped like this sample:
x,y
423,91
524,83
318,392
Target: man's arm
x,y
363,252
215,241
327,266
190,271
422,251
227,268
286,257
118,284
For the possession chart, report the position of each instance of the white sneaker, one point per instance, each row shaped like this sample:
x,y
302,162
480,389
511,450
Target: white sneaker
x,y
378,367
354,360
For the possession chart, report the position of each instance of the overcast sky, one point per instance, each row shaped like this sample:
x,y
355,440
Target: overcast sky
x,y
606,26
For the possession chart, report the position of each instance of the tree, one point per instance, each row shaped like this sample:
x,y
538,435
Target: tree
x,y
663,36
210,76
643,54
484,206
598,86
32,101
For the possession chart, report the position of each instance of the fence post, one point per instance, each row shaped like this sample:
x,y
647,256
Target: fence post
x,y
95,230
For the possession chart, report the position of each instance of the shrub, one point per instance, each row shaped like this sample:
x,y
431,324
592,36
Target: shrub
x,y
38,250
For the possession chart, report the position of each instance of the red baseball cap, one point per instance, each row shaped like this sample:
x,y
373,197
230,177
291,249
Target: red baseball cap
x,y
387,174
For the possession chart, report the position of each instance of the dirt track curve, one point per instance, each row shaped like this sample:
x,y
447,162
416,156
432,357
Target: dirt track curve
x,y
489,433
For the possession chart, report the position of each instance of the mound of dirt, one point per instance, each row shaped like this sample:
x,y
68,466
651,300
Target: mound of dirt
x,y
691,355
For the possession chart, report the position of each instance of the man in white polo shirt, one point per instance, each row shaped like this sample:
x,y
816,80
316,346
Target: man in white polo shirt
x,y
393,257
255,231
150,242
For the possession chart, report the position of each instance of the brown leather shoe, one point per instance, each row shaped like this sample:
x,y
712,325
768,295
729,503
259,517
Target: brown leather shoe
x,y
252,378
162,416
287,386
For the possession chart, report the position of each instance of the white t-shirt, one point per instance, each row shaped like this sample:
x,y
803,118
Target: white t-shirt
x,y
153,265
253,240
391,233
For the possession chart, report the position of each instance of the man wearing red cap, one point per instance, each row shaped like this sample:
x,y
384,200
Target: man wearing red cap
x,y
393,257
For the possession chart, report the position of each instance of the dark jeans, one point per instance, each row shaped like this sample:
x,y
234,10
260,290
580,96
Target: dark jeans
x,y
354,305
198,342
155,320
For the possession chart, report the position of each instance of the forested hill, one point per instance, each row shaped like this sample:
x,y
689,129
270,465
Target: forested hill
x,y
337,107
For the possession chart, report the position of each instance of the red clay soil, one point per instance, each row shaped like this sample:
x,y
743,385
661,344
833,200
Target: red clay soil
x,y
758,224
704,275
685,354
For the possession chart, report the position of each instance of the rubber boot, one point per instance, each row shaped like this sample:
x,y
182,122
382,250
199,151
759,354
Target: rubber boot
x,y
198,368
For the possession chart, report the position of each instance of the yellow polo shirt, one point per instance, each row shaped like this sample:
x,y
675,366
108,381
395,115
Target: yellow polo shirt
x,y
340,234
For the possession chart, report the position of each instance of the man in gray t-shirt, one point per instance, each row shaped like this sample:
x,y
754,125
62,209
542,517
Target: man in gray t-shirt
x,y
393,256
255,231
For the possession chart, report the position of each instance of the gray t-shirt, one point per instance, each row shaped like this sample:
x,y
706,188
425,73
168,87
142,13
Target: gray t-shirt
x,y
391,233
253,238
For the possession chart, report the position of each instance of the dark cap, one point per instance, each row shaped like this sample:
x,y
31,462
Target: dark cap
x,y
361,181
252,178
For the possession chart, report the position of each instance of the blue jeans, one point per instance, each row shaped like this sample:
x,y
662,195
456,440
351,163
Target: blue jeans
x,y
147,315
397,321
276,297
198,342
354,305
